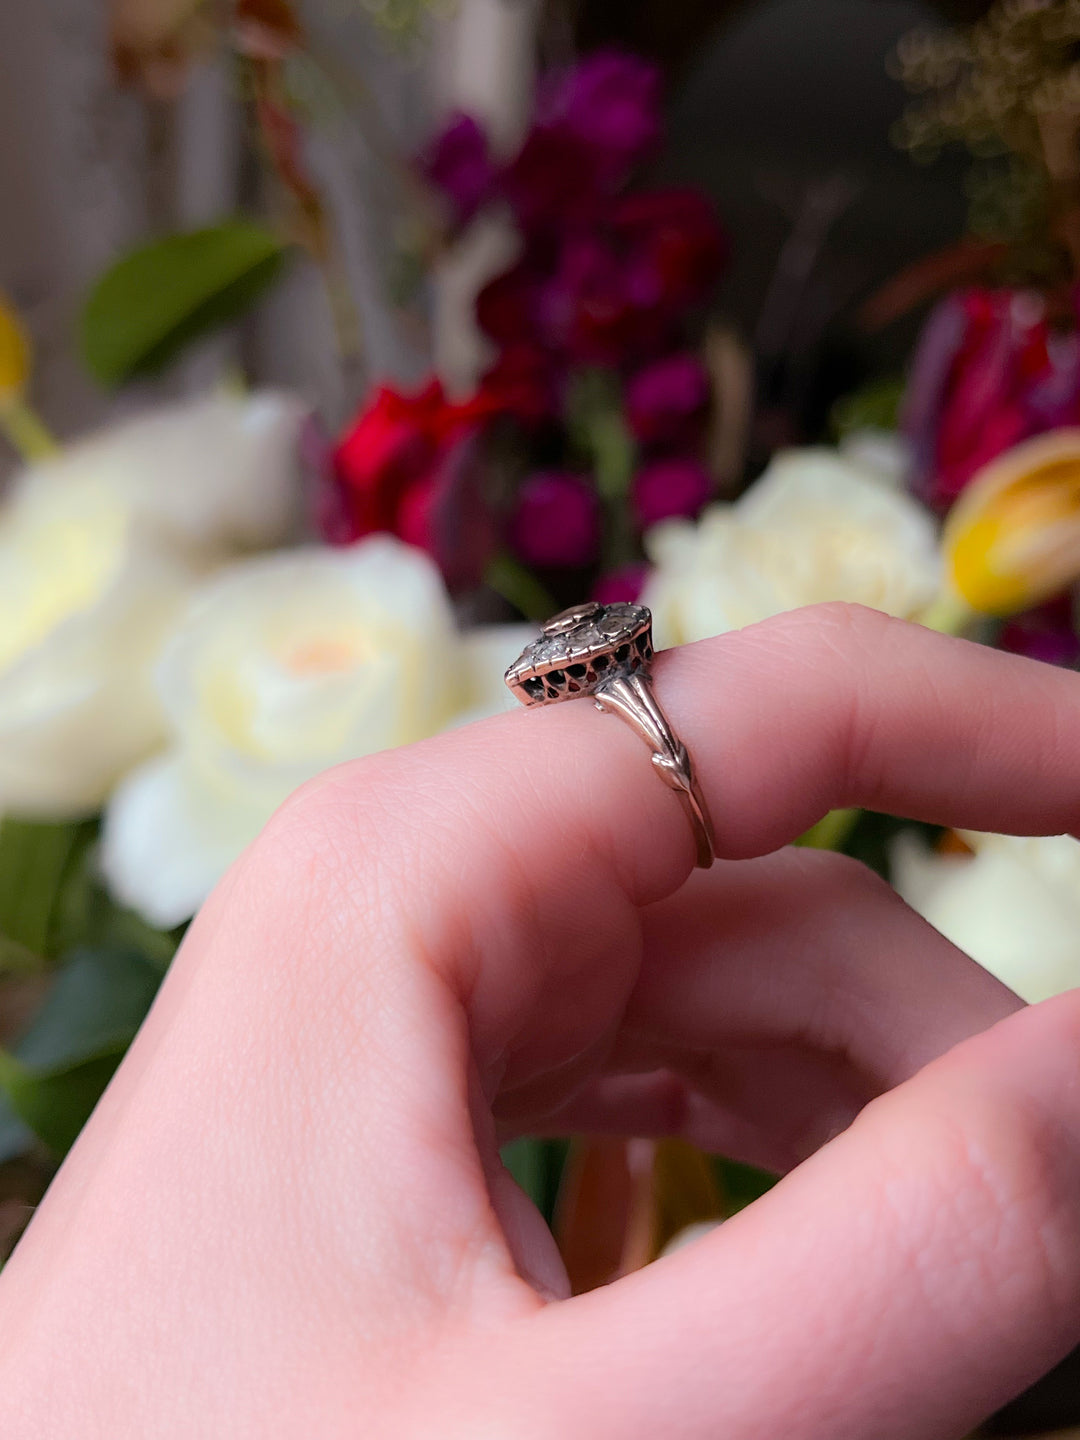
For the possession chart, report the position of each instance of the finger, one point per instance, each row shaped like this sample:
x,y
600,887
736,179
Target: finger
x,y
778,996
527,843
907,1280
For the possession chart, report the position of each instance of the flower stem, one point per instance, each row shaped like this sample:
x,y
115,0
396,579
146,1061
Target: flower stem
x,y
949,614
510,579
25,430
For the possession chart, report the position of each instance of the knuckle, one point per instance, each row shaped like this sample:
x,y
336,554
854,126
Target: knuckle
x,y
329,829
829,623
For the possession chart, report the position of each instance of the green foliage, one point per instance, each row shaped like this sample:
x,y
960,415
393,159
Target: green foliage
x,y
510,579
537,1166
34,861
875,406
598,428
51,901
599,432
831,831
53,909
159,298
59,1069
16,1137
740,1184
85,914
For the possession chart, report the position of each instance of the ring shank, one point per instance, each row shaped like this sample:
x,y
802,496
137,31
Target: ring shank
x,y
631,698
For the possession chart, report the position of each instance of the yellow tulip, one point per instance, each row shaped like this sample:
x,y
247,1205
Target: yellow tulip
x,y
1012,540
20,423
14,354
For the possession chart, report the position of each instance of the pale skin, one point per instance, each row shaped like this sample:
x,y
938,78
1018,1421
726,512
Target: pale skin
x,y
288,1219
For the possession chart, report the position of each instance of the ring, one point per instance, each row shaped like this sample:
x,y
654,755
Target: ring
x,y
603,652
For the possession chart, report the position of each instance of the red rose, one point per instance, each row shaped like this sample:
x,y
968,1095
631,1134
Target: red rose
x,y
391,444
410,465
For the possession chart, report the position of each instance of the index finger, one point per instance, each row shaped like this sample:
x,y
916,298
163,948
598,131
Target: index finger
x,y
529,841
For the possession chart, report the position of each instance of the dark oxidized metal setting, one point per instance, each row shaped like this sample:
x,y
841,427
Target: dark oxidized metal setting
x,y
604,652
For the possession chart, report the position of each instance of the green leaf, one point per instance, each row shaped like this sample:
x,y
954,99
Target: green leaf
x,y
34,859
63,1063
831,831
86,915
55,1107
510,579
740,1184
537,1166
156,300
17,960
875,407
16,1137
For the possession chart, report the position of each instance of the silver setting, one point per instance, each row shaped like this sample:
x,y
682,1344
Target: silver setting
x,y
604,652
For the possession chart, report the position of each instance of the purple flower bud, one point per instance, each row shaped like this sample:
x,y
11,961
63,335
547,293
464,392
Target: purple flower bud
x,y
557,521
622,585
666,400
458,162
611,101
1047,634
668,489
554,181
592,125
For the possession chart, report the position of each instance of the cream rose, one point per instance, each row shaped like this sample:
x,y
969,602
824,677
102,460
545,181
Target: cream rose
x,y
98,548
818,525
1014,906
281,667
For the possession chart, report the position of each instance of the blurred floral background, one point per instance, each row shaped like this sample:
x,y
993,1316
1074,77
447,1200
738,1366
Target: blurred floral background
x,y
341,341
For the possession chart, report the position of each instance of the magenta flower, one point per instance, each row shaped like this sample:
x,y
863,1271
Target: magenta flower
x,y
622,585
458,162
586,308
990,371
610,102
557,521
507,307
665,402
669,489
524,383
675,246
619,290
1047,634
554,182
593,124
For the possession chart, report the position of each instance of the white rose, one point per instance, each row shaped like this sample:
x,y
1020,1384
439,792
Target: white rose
x,y
818,525
97,550
283,666
1014,906
210,477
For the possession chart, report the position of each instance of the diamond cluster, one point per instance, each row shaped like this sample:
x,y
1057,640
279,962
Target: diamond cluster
x,y
590,645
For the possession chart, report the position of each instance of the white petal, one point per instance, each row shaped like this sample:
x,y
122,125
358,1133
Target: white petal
x,y
283,666
208,476
817,526
168,837
1014,907
487,653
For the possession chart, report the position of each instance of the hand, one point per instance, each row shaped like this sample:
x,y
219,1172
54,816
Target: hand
x,y
288,1217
